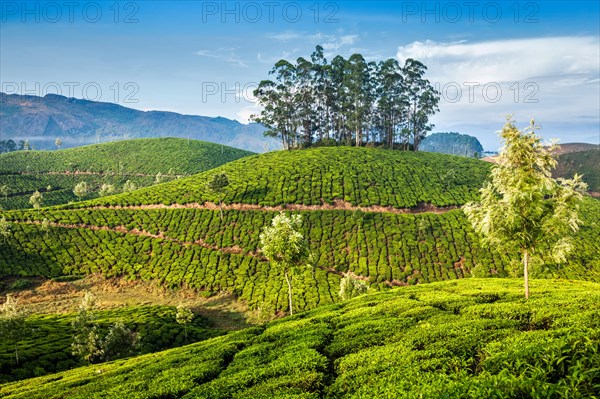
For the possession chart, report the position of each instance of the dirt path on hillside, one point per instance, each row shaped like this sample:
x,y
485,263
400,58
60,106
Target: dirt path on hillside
x,y
121,229
337,205
88,173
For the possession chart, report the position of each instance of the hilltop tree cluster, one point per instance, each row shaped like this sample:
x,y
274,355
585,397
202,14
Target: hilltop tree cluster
x,y
347,102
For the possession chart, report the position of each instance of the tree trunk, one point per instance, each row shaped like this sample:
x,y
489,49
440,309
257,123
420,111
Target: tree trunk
x,y
221,209
17,352
289,283
526,272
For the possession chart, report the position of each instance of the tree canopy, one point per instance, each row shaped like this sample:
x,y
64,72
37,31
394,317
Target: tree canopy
x,y
347,102
522,207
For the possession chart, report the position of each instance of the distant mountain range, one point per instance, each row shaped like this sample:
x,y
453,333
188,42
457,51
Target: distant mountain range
x,y
77,122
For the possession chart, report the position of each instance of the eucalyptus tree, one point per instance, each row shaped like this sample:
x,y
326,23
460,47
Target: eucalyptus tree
x,y
360,95
423,100
322,89
305,98
278,99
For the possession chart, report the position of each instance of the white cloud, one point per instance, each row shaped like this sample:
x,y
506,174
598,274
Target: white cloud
x,y
285,36
243,115
553,79
507,60
329,42
228,55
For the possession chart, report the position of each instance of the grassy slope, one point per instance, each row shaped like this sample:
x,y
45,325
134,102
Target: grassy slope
x,y
463,339
192,247
45,346
361,176
582,162
114,163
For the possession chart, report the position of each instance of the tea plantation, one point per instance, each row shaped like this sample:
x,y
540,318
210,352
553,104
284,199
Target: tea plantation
x,y
359,176
473,338
45,346
192,247
138,161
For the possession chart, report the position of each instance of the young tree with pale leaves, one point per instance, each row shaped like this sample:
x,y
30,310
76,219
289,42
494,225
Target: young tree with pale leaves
x,y
523,208
87,344
4,191
129,186
285,247
4,228
12,323
36,200
184,316
80,190
106,189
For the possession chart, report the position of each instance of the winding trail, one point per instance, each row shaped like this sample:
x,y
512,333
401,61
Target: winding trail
x,y
337,205
144,233
231,250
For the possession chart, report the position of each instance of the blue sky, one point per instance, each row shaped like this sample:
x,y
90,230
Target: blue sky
x,y
532,59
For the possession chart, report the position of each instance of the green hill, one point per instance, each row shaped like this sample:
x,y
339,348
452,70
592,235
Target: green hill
x,y
45,346
586,163
359,176
191,246
112,163
462,339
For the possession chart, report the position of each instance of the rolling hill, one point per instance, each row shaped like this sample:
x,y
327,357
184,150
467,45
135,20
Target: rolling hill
x,y
79,122
45,346
460,339
113,163
580,158
358,176
387,217
582,162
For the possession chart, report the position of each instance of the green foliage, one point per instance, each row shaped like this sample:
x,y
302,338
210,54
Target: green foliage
x,y
348,101
119,342
106,189
184,316
218,185
522,207
462,339
45,343
350,287
81,190
86,340
4,228
110,164
360,176
12,324
21,284
129,186
194,248
36,200
285,247
583,163
4,190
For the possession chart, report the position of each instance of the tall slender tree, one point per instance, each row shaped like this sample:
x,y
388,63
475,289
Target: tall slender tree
x,y
285,247
523,208
12,323
423,100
